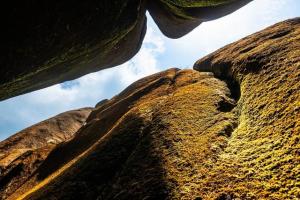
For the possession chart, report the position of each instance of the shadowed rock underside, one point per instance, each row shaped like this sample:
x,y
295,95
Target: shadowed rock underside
x,y
48,42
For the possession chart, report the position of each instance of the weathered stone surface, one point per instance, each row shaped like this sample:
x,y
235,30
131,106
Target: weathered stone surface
x,y
231,132
48,42
22,153
141,142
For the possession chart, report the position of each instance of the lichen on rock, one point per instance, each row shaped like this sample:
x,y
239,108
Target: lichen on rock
x,y
261,160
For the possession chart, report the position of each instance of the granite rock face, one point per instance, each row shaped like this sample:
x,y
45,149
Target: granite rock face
x,y
48,42
227,130
22,153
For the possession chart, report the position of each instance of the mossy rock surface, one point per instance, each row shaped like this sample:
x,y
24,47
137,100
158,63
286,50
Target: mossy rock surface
x,y
227,130
147,141
230,131
261,160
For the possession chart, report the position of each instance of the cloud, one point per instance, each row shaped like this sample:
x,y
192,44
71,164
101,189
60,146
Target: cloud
x,y
145,63
25,110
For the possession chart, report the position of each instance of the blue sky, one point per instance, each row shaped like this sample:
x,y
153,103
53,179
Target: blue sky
x,y
157,53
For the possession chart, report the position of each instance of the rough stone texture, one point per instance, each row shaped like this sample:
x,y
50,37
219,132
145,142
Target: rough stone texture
x,y
262,158
144,143
22,153
231,132
48,42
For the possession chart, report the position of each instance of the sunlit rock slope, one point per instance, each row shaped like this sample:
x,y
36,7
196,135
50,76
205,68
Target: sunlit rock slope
x,y
227,130
149,141
262,157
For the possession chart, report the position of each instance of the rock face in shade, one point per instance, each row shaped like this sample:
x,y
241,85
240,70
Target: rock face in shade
x,y
229,130
48,42
22,153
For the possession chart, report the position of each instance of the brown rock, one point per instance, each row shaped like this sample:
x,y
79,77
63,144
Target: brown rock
x,y
185,134
22,153
148,141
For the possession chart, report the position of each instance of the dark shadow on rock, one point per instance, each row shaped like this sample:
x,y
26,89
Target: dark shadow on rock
x,y
96,127
119,166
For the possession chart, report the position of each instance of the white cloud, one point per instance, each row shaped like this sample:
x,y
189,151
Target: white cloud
x,y
145,62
